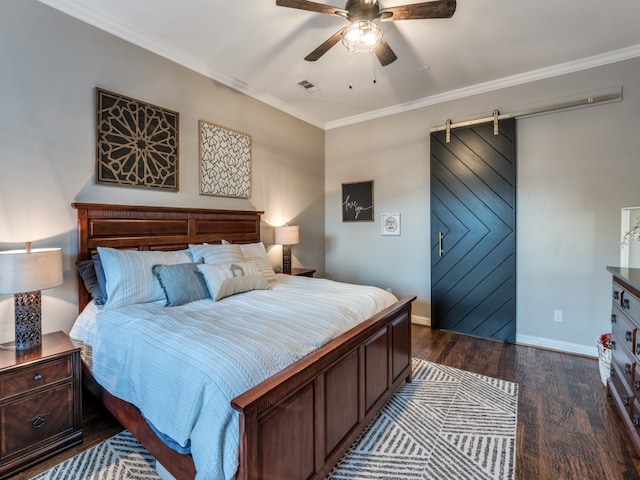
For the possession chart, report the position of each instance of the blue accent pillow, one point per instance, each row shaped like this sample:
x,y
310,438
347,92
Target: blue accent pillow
x,y
181,283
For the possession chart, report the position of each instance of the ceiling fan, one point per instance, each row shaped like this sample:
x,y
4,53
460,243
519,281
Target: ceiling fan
x,y
363,34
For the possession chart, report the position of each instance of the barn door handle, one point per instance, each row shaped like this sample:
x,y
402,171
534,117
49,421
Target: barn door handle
x,y
440,242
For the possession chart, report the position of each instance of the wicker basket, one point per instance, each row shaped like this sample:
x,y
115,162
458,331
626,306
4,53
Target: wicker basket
x,y
604,357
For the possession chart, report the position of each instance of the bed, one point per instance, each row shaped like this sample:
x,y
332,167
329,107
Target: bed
x,y
300,421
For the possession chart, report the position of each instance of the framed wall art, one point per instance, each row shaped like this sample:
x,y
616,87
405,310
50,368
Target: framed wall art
x,y
390,223
225,161
357,202
136,143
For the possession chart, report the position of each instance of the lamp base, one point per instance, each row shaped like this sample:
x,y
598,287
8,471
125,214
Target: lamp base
x,y
28,323
286,259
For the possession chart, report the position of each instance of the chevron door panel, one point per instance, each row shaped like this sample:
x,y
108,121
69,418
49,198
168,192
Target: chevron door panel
x,y
473,267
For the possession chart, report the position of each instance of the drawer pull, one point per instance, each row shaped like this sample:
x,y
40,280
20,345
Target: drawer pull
x,y
625,304
627,369
628,336
616,295
637,348
613,345
637,385
38,421
636,420
613,318
37,378
625,401
613,372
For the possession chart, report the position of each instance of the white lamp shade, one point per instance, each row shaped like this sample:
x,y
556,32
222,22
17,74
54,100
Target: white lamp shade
x,y
286,235
22,271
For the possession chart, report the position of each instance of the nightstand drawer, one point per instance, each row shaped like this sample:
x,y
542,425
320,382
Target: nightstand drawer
x,y
35,419
27,378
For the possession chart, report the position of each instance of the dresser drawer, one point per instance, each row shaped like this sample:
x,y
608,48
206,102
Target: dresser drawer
x,y
36,419
627,302
624,329
622,357
627,397
27,378
635,416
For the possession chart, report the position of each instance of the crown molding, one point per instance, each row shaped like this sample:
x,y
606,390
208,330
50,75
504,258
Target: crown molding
x,y
587,63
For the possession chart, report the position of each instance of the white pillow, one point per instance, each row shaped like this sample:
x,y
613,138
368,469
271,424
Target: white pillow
x,y
129,274
257,253
214,254
227,279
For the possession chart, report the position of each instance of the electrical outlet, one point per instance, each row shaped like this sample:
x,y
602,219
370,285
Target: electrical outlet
x,y
557,316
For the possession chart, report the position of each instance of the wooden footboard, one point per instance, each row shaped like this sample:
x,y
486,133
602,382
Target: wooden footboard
x,y
300,422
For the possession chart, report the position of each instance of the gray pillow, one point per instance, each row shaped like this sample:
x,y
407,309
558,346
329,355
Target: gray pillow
x,y
102,279
181,283
87,271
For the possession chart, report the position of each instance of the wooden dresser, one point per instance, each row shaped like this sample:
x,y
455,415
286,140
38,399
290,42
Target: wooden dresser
x,y
624,384
40,402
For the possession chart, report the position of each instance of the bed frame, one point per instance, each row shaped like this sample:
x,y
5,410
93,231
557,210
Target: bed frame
x,y
298,423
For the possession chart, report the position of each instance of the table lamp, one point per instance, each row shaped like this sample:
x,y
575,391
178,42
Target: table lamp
x,y
24,273
286,236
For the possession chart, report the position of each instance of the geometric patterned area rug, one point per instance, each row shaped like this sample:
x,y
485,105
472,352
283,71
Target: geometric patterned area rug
x,y
448,424
118,458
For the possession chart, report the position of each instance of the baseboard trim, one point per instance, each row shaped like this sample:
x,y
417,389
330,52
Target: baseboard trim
x,y
531,341
565,347
419,320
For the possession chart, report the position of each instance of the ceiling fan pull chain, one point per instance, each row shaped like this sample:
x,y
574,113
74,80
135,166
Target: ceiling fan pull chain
x,y
373,62
350,71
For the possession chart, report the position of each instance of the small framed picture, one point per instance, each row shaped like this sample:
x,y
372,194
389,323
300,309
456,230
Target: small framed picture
x,y
390,223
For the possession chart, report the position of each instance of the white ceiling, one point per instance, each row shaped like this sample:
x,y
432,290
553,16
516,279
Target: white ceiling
x,y
258,48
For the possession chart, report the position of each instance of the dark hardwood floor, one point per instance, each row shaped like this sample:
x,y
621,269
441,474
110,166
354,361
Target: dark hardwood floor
x,y
567,426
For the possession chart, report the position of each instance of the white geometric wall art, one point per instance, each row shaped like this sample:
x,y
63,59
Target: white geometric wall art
x,y
225,161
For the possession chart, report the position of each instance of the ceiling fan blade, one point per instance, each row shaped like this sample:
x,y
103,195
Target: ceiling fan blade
x,y
312,7
324,48
436,9
384,53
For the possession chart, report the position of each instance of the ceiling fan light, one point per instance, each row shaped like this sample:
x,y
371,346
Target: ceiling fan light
x,y
362,36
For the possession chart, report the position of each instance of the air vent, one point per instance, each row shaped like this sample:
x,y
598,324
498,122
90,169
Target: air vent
x,y
308,86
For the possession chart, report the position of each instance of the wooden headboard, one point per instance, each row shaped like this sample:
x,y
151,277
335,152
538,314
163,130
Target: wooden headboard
x,y
157,228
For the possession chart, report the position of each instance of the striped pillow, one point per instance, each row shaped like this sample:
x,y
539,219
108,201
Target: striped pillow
x,y
214,254
129,274
257,253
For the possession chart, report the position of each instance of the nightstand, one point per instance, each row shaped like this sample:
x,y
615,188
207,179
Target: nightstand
x,y
303,272
40,402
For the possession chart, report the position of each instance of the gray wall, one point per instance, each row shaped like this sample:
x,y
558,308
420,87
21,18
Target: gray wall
x,y
576,170
49,66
